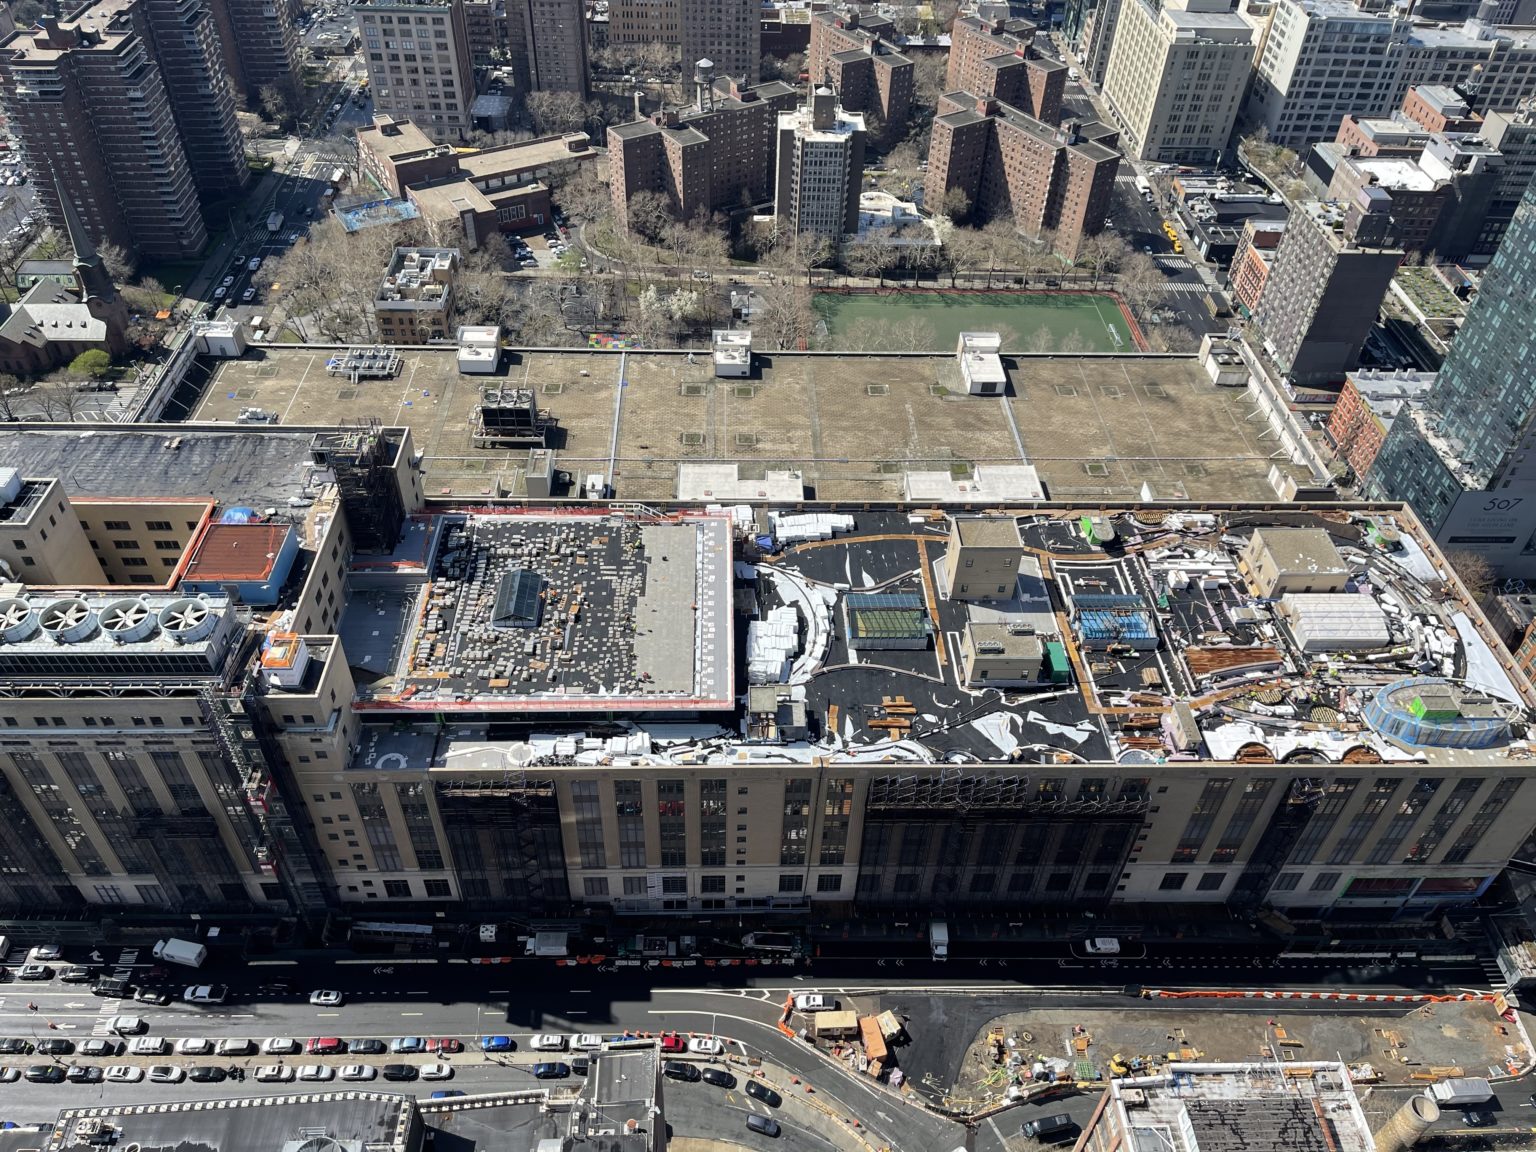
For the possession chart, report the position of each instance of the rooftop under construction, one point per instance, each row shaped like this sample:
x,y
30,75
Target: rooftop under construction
x,y
580,611
1133,636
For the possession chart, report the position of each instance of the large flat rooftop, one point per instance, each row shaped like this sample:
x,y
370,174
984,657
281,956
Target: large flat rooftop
x,y
1166,648
1094,427
570,612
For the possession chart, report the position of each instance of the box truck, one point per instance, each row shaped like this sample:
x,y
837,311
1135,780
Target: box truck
x,y
1461,1091
181,952
938,939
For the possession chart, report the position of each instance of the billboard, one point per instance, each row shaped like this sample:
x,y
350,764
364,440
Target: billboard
x,y
1499,525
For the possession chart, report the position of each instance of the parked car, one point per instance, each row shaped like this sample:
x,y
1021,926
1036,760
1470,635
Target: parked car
x,y
551,1071
124,1074
15,1046
317,1072
206,993
1477,1118
326,998
53,1046
166,1074
547,1042
280,1046
274,1074
496,1044
399,1072
407,1045
445,1044
358,1072
194,1046
677,1070
76,974
129,1025
9,1075
814,1002
235,1047
587,1042
706,1046
437,1072
85,1074
108,986
207,1074
767,1125
446,1093
760,1091
328,1046
672,1042
100,1047
152,996
45,1074
366,1047
719,1077
41,952
148,1046
34,972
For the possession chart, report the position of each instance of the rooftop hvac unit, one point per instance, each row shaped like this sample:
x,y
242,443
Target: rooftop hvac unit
x,y
17,620
1134,1097
68,621
127,621
187,621
992,647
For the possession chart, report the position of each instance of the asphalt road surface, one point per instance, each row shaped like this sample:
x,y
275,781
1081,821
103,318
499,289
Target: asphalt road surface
x,y
387,998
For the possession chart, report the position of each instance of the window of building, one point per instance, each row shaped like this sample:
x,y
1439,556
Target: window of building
x,y
438,888
708,884
634,885
397,889
829,882
1173,881
594,885
791,882
1211,881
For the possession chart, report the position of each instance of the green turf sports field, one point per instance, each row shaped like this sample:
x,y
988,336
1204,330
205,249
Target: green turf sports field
x,y
1029,322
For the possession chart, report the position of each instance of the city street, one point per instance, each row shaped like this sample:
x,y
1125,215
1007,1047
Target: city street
x,y
449,996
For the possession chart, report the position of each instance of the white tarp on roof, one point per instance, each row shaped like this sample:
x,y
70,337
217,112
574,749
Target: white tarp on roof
x,y
1335,622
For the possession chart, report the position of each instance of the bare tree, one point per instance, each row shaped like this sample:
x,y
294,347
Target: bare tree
x,y
865,259
118,261
650,214
785,68
929,78
1042,339
556,112
956,204
58,399
1477,576
1140,281
786,318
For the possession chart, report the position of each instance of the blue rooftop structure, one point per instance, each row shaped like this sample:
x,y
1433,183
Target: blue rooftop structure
x,y
1102,620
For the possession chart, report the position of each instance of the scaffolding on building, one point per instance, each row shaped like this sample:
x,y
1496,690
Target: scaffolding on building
x,y
362,458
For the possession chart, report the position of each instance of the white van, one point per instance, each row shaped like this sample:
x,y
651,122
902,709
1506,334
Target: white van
x,y
148,1046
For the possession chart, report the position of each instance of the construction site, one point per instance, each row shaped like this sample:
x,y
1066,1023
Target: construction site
x,y
577,611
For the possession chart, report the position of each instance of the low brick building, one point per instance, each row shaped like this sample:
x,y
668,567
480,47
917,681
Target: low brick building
x,y
1368,403
1255,254
414,303
1047,179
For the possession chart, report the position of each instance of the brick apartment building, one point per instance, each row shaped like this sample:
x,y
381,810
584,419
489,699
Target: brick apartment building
x,y
996,59
261,45
1046,178
1368,403
414,303
726,32
1255,255
91,90
856,56
717,155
